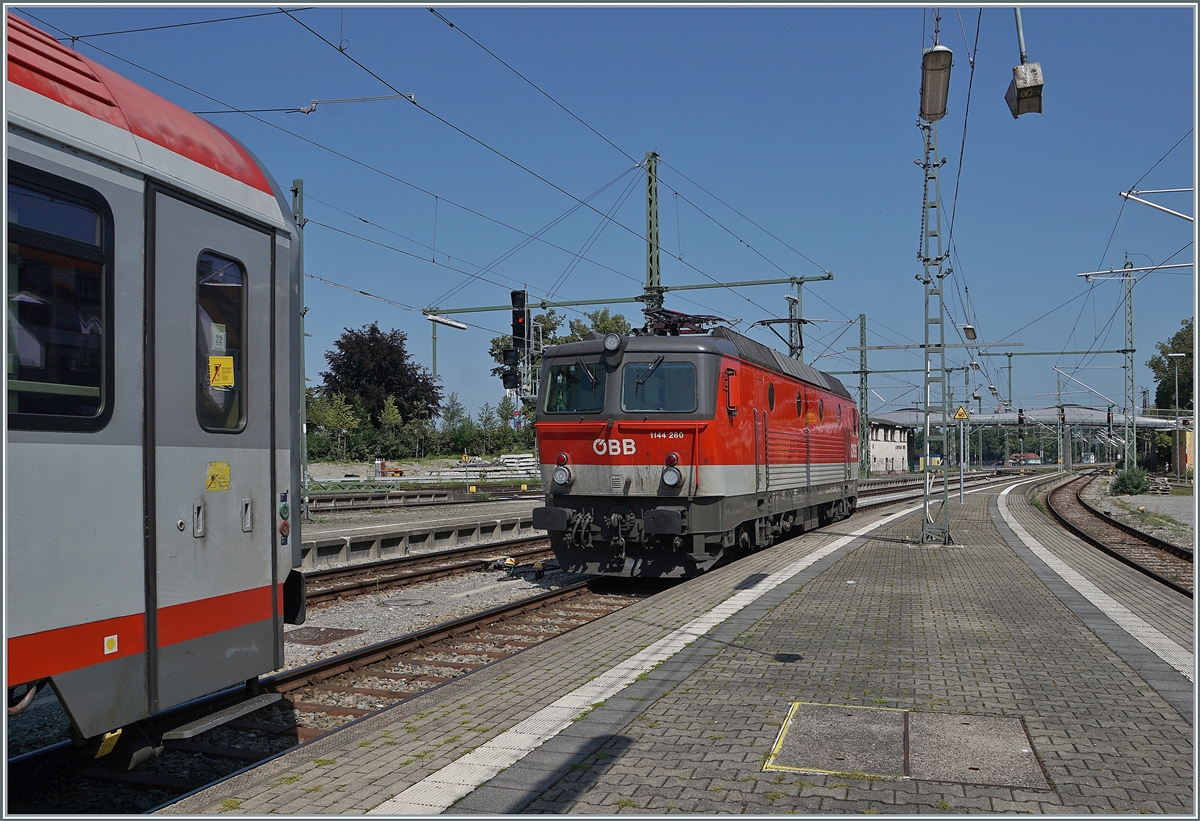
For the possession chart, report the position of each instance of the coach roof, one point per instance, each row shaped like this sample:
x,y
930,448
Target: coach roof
x,y
38,62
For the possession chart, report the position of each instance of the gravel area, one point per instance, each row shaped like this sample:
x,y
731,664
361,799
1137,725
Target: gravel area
x,y
410,609
1171,518
378,617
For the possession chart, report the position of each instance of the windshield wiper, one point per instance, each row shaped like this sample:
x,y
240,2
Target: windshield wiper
x,y
591,376
641,380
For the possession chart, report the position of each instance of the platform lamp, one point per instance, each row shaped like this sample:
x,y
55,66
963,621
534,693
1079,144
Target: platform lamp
x,y
1024,95
435,320
1177,454
935,82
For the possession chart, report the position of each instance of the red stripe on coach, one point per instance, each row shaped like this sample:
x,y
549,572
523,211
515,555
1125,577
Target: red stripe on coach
x,y
51,652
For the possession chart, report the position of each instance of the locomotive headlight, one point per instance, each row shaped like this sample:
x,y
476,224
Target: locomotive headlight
x,y
612,342
561,460
671,477
672,459
562,475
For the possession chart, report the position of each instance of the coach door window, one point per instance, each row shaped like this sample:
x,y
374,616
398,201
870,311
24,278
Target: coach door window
x,y
220,325
665,387
59,304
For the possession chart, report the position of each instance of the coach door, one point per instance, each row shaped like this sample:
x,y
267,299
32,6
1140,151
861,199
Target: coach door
x,y
210,413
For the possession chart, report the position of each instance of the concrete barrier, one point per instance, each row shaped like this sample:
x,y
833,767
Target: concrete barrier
x,y
387,542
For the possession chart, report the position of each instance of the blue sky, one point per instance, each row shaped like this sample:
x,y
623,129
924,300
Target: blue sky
x,y
802,119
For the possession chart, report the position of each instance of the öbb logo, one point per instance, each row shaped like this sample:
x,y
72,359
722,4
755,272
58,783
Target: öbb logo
x,y
614,447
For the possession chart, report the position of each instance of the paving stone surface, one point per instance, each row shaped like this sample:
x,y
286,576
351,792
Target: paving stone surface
x,y
959,630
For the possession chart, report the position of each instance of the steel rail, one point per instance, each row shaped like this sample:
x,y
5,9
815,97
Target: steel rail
x,y
1095,542
1184,553
327,668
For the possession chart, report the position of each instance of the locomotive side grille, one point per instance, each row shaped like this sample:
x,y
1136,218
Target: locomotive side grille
x,y
616,483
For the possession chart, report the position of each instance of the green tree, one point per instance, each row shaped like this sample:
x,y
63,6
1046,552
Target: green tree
x,y
389,415
458,431
1164,366
331,416
599,321
417,436
487,425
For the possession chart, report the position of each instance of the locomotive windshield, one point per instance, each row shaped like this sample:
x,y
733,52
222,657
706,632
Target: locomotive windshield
x,y
575,388
666,387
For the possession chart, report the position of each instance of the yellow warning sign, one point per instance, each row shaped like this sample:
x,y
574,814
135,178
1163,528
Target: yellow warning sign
x,y
218,476
220,371
961,413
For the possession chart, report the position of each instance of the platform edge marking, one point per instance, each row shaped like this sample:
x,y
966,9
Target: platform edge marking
x,y
1146,634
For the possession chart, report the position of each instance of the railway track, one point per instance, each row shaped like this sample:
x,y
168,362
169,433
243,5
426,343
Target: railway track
x,y
307,703
910,490
1168,563
369,577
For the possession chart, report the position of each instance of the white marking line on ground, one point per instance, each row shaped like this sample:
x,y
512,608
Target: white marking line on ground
x,y
437,792
1148,635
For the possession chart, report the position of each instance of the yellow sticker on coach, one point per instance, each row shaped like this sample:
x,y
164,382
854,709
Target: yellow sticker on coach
x,y
220,371
218,476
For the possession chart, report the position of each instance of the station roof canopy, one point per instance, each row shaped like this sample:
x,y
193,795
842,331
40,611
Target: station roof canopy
x,y
1075,415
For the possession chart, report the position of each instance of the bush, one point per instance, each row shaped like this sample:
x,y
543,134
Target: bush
x,y
1130,482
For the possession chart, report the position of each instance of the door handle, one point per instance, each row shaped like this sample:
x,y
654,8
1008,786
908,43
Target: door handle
x,y
247,516
197,519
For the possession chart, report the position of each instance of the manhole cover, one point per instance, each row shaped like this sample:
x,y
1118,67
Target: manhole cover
x,y
965,749
318,635
989,750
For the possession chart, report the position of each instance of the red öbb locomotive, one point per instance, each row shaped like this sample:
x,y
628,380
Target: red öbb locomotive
x,y
661,454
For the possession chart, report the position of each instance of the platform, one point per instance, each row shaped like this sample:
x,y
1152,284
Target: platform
x,y
847,670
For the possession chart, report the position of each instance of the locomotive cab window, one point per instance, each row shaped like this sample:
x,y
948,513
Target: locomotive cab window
x,y
220,343
658,386
575,388
59,321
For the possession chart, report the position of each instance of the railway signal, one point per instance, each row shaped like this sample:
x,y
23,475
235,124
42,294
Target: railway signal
x,y
520,320
1020,416
511,375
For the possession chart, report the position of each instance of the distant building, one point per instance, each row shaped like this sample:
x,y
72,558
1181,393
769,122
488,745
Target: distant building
x,y
1183,448
889,447
1026,459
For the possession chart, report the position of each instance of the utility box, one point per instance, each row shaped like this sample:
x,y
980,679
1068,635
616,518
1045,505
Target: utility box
x,y
1024,94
